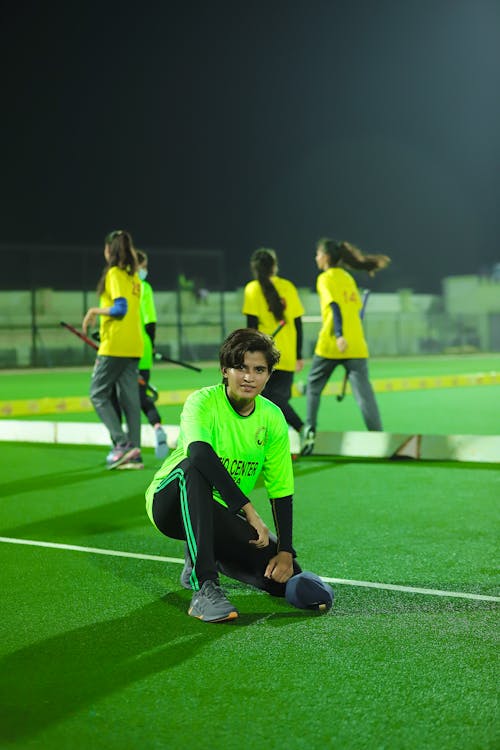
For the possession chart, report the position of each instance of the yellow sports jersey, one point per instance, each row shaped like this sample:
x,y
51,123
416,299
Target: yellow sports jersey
x,y
121,337
254,303
336,285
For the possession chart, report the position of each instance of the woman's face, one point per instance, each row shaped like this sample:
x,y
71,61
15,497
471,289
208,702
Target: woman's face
x,y
106,253
321,258
244,383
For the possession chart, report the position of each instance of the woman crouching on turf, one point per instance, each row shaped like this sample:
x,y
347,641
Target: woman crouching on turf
x,y
229,434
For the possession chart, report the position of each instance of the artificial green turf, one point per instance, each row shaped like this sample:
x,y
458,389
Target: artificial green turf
x,y
110,667
98,652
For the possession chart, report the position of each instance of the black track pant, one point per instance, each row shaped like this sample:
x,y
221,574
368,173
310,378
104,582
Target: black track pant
x,y
147,404
279,391
217,540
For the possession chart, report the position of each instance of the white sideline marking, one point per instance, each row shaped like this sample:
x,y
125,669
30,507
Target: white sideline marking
x,y
413,589
94,550
160,558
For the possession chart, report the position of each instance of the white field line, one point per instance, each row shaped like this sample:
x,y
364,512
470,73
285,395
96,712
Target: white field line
x,y
160,558
413,589
92,550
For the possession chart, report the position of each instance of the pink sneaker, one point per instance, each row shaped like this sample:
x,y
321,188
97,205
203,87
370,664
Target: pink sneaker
x,y
122,454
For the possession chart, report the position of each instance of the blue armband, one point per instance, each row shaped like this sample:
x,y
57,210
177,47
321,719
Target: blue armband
x,y
120,307
337,319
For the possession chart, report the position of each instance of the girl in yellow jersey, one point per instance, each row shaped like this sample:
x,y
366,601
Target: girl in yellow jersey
x,y
341,340
268,300
121,346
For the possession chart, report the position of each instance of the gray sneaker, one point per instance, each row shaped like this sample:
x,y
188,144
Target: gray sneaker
x,y
210,604
187,570
307,437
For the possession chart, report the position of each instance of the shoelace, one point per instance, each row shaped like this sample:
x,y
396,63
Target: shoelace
x,y
214,592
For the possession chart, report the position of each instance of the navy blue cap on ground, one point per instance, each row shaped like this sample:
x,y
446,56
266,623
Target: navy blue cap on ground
x,y
306,590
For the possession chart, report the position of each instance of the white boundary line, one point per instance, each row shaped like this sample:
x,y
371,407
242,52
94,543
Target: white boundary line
x,y
413,589
160,558
92,550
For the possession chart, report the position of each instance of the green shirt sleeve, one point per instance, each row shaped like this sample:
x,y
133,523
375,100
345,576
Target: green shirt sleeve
x,y
148,309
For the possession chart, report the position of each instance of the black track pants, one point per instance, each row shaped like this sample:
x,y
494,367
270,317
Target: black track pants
x,y
279,391
217,540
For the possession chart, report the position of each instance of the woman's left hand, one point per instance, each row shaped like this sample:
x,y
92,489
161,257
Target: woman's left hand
x,y
88,320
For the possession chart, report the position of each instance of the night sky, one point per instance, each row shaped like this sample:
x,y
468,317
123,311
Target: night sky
x,y
230,125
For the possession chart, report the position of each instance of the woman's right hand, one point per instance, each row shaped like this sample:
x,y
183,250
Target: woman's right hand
x,y
258,524
341,344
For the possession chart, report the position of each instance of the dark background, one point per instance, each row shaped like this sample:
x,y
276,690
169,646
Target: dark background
x,y
228,125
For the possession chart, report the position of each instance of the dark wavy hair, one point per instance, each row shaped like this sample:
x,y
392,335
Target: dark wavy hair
x,y
243,340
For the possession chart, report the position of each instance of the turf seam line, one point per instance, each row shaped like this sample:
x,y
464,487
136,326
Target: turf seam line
x,y
160,558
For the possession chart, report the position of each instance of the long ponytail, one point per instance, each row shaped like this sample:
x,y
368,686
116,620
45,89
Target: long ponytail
x,y
346,254
262,263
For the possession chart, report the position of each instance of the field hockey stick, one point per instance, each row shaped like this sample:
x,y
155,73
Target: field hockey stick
x,y
278,329
364,300
159,357
150,389
80,335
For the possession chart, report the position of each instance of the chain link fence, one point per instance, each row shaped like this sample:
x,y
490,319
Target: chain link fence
x,y
44,285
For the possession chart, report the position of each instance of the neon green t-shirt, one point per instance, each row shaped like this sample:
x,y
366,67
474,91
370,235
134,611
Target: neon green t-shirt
x,y
254,303
336,285
121,337
246,446
148,315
